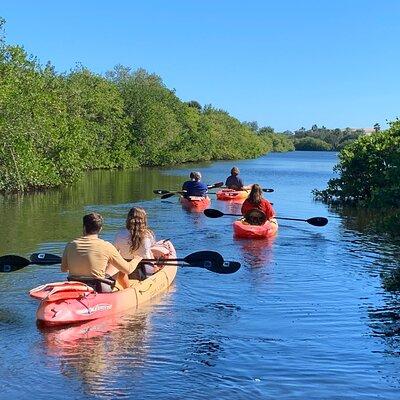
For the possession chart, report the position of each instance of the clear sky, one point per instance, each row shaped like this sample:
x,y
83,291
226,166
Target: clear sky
x,y
284,63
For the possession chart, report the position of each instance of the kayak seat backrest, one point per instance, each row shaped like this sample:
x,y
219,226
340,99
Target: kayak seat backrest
x,y
256,217
52,290
163,249
195,198
100,285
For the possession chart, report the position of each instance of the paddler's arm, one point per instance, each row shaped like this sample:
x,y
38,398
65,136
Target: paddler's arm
x,y
64,263
122,265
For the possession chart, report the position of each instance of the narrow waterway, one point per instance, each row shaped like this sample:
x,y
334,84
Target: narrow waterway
x,y
306,317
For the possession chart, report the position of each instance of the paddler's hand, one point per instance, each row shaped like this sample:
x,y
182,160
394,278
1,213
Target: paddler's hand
x,y
135,262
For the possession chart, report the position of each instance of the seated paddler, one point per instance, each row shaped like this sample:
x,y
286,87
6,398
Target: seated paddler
x,y
86,258
195,187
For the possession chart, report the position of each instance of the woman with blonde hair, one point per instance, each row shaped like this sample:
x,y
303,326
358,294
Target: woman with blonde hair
x,y
135,240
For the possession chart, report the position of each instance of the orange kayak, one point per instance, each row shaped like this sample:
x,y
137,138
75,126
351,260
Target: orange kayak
x,y
232,195
242,229
64,303
195,203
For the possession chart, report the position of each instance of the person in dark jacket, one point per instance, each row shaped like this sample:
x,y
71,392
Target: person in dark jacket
x,y
195,187
234,182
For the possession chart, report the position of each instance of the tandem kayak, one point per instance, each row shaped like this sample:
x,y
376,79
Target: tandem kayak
x,y
195,203
232,195
64,303
242,229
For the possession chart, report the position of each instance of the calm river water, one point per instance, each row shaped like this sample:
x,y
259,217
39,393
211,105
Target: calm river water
x,y
305,317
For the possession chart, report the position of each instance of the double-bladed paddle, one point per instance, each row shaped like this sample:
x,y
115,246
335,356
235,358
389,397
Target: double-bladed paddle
x,y
209,260
165,194
11,263
248,190
316,221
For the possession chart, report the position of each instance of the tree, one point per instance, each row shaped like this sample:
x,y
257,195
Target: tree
x,y
266,129
368,171
194,104
377,127
253,125
311,143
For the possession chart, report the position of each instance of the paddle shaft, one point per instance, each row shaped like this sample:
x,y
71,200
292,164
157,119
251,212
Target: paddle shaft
x,y
285,218
266,190
316,221
171,192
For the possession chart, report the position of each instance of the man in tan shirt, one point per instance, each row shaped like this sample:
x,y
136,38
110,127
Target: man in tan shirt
x,y
86,258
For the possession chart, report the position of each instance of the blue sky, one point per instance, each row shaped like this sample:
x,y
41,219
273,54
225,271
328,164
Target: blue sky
x,y
287,63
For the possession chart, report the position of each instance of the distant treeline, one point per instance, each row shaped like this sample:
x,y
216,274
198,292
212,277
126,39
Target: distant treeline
x,y
316,138
55,126
322,138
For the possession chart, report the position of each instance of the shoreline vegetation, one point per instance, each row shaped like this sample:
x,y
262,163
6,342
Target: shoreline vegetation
x,y
54,126
369,180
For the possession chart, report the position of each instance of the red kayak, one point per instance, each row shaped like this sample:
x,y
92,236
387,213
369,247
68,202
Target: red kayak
x,y
237,196
64,303
195,203
242,229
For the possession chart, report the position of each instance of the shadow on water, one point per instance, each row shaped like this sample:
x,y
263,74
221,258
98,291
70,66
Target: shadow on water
x,y
207,349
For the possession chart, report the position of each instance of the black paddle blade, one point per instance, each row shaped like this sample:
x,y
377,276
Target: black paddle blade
x,y
45,259
268,190
227,267
160,191
12,263
318,221
216,185
168,195
212,213
204,259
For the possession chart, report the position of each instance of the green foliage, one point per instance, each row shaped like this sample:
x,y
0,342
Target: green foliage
x,y
195,104
55,126
333,139
277,142
52,127
265,129
311,143
368,171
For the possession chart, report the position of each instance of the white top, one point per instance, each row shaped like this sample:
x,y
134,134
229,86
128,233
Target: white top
x,y
122,243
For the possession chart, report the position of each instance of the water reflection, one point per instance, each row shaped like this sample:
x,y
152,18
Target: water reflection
x,y
57,215
93,353
256,253
230,207
378,253
385,323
